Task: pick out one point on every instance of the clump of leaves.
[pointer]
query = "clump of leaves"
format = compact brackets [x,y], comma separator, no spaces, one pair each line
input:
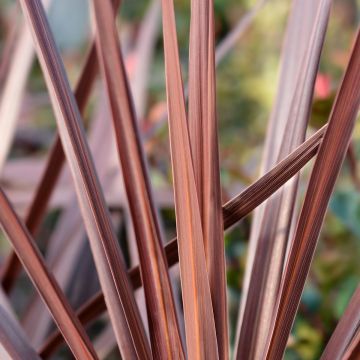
[282,244]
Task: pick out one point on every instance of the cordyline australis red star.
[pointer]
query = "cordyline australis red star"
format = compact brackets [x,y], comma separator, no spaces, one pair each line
[279,262]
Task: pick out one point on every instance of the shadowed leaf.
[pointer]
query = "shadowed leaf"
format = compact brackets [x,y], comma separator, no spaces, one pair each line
[13,344]
[44,281]
[14,87]
[344,332]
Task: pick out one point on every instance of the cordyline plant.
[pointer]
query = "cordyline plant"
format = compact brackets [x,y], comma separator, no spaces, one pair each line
[279,261]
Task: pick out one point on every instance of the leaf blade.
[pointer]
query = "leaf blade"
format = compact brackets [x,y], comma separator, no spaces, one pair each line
[326,168]
[54,165]
[233,211]
[113,278]
[13,343]
[198,312]
[44,281]
[163,324]
[345,329]
[205,156]
[271,227]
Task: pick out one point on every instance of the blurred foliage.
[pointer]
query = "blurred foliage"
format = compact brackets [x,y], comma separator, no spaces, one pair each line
[246,87]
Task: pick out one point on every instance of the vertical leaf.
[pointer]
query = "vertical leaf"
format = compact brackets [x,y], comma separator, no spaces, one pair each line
[326,169]
[205,155]
[164,330]
[271,230]
[199,318]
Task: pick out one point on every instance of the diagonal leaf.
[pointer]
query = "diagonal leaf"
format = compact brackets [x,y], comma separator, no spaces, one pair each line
[233,211]
[345,330]
[119,298]
[269,183]
[326,169]
[163,324]
[67,250]
[271,232]
[47,286]
[205,156]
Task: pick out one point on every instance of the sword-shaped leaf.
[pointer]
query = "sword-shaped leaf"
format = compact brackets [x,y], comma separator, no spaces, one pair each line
[271,227]
[345,330]
[205,155]
[53,168]
[233,211]
[44,281]
[163,324]
[117,290]
[326,169]
[13,343]
[198,311]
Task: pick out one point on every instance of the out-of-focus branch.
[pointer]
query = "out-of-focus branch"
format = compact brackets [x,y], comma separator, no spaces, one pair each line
[230,40]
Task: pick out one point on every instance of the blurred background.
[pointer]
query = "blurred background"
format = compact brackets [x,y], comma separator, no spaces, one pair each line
[247,76]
